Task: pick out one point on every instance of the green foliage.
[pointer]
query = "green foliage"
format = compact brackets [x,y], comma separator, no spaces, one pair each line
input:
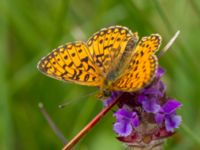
[30,29]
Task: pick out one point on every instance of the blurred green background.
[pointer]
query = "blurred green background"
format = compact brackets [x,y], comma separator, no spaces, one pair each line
[31,29]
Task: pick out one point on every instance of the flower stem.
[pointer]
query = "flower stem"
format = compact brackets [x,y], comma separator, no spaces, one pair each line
[90,125]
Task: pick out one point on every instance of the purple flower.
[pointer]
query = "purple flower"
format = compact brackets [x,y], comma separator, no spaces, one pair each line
[149,97]
[126,120]
[167,114]
[149,104]
[113,96]
[172,122]
[160,72]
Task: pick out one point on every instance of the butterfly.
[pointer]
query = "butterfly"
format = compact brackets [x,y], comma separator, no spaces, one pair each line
[112,60]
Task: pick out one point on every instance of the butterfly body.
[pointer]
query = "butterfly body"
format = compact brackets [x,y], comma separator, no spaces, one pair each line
[111,60]
[118,67]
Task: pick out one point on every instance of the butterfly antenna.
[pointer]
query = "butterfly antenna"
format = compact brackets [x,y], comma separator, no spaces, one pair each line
[169,44]
[65,104]
[76,100]
[51,123]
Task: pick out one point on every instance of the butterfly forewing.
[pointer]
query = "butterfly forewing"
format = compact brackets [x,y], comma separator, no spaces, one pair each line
[107,45]
[71,62]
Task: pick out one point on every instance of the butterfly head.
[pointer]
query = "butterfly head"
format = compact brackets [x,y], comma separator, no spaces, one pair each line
[104,94]
[105,91]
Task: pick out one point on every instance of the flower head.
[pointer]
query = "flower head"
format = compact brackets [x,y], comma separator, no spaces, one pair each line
[145,114]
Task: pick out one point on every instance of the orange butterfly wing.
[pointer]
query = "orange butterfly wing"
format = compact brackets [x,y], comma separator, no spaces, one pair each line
[71,62]
[107,45]
[142,67]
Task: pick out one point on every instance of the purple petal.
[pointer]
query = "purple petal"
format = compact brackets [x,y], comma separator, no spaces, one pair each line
[160,72]
[122,128]
[135,121]
[113,96]
[152,91]
[171,105]
[151,106]
[133,114]
[156,90]
[108,101]
[122,114]
[141,98]
[159,118]
[172,122]
[162,86]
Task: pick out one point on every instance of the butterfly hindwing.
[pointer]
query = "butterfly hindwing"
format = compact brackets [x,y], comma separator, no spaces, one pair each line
[142,67]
